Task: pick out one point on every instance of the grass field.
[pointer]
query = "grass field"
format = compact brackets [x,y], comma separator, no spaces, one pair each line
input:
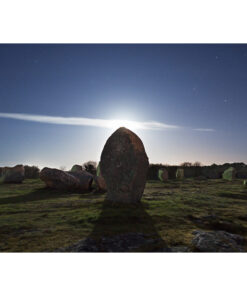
[36,219]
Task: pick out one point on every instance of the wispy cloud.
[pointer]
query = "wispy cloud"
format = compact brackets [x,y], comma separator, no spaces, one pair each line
[82,121]
[204,129]
[105,123]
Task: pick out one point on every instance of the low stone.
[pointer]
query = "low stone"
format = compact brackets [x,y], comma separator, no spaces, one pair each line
[126,242]
[217,241]
[13,174]
[85,179]
[71,181]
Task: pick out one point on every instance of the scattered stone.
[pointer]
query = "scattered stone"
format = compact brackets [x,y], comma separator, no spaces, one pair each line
[180,174]
[124,166]
[128,242]
[229,174]
[58,179]
[71,181]
[163,175]
[85,180]
[14,174]
[217,241]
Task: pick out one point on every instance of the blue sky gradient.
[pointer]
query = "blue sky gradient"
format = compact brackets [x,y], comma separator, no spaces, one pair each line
[189,86]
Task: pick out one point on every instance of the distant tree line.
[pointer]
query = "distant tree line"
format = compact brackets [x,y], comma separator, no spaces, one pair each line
[192,170]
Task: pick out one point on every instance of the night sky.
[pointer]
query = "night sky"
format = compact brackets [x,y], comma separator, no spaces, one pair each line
[196,93]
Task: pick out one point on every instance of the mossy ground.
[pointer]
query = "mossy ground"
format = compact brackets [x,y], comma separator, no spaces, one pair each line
[35,219]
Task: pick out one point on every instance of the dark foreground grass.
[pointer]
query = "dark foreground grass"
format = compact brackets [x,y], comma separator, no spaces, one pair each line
[34,218]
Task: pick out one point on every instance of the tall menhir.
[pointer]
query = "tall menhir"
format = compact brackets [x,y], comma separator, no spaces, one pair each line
[124,165]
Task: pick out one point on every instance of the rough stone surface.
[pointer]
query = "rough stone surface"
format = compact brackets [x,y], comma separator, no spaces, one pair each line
[71,181]
[124,166]
[85,179]
[128,242]
[217,241]
[100,183]
[13,174]
[163,175]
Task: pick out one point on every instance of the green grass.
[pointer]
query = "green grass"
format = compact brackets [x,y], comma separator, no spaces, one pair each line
[34,218]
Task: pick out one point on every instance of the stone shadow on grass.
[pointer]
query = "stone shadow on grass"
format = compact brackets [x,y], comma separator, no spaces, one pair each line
[39,194]
[121,228]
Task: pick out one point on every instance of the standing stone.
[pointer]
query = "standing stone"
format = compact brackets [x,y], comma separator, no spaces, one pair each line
[163,175]
[180,173]
[124,166]
[229,174]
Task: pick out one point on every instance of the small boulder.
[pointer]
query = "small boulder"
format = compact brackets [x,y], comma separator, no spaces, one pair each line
[124,166]
[85,179]
[13,174]
[71,181]
[217,241]
[163,175]
[59,179]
